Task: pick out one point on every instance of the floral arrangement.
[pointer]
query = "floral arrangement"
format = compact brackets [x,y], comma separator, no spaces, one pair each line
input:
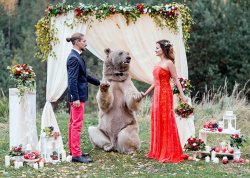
[194,144]
[16,151]
[211,125]
[184,110]
[163,15]
[54,155]
[49,132]
[186,86]
[237,141]
[24,76]
[32,155]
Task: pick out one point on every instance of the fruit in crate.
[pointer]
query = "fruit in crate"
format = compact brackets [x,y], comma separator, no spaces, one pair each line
[225,161]
[224,150]
[231,151]
[220,129]
[241,160]
[210,125]
[217,149]
[205,125]
[31,156]
[236,160]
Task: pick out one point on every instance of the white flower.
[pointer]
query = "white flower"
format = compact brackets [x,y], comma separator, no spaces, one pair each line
[120,7]
[145,10]
[124,9]
[194,144]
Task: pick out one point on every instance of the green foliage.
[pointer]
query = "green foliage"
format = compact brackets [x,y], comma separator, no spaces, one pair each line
[5,56]
[219,44]
[237,141]
[164,15]
[4,108]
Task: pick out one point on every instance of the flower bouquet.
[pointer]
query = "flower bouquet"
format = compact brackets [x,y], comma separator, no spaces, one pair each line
[49,132]
[237,141]
[31,157]
[184,110]
[194,144]
[211,125]
[186,87]
[16,151]
[24,76]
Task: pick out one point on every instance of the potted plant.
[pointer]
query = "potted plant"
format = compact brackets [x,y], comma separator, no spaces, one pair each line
[16,152]
[194,145]
[237,141]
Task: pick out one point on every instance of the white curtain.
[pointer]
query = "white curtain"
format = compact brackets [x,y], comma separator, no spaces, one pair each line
[138,39]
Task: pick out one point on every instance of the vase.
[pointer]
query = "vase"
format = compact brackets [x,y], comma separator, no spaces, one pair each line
[237,153]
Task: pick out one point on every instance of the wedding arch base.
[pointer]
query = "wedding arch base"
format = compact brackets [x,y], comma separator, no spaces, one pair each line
[22,118]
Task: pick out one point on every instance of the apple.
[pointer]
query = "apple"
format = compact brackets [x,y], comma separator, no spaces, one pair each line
[231,151]
[241,160]
[236,160]
[224,150]
[220,129]
[190,158]
[217,149]
[224,161]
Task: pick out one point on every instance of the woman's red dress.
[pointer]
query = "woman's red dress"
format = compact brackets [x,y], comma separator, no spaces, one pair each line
[165,144]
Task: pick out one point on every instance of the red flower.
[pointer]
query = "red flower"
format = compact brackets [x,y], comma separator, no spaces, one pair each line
[60,12]
[18,72]
[50,8]
[78,12]
[236,136]
[140,7]
[112,10]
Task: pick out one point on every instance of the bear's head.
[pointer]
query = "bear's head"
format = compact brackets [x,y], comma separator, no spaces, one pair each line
[116,65]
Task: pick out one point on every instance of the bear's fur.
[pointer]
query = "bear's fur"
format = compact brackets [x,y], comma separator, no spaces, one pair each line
[117,99]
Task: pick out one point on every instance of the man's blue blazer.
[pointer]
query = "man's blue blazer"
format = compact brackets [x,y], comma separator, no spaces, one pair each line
[78,78]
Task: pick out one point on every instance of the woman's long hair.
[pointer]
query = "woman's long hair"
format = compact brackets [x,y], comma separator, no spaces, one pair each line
[167,48]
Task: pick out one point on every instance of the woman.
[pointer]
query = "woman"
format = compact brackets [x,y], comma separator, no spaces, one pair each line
[165,143]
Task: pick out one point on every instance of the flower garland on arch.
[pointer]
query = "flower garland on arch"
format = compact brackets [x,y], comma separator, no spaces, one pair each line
[163,15]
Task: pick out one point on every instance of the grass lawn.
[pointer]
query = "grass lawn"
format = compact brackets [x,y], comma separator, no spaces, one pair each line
[111,164]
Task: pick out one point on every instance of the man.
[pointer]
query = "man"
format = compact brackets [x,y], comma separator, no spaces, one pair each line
[77,94]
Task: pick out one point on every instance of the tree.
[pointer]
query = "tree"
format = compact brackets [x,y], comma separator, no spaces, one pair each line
[5,56]
[219,44]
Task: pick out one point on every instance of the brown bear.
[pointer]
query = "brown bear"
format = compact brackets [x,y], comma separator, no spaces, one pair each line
[117,99]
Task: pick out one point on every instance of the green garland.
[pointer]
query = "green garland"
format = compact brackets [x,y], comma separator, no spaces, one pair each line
[163,16]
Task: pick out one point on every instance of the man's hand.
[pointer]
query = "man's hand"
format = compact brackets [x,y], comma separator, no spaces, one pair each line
[76,103]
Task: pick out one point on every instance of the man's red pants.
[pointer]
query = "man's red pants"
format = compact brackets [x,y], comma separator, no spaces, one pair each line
[74,129]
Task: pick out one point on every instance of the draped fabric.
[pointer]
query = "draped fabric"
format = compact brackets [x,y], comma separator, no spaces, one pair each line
[22,118]
[137,38]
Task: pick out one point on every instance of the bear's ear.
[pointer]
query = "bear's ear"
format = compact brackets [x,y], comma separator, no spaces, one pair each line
[107,51]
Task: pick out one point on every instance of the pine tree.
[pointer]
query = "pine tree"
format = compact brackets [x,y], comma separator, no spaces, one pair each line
[5,57]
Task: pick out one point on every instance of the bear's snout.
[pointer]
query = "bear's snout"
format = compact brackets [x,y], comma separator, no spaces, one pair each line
[128,59]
